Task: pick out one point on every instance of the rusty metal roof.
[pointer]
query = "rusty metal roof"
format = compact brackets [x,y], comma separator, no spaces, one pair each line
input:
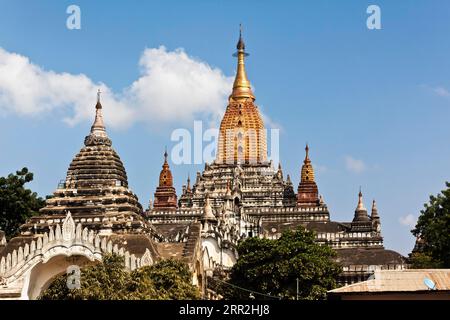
[400,281]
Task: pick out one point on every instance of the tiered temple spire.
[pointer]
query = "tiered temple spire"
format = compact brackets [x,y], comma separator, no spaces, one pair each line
[165,195]
[361,211]
[242,137]
[307,193]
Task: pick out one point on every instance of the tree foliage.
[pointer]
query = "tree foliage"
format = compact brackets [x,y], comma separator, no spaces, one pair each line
[433,230]
[110,280]
[17,203]
[272,267]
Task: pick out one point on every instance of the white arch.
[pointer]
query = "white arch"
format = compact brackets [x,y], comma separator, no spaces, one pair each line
[66,240]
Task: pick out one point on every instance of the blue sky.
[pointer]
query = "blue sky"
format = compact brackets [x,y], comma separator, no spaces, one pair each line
[373,104]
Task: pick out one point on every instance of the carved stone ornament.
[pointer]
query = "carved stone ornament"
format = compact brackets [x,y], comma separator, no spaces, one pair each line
[68,228]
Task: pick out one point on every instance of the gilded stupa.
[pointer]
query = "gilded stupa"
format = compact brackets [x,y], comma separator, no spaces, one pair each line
[242,136]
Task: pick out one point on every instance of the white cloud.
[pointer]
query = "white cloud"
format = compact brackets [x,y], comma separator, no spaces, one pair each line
[409,220]
[354,165]
[172,88]
[441,91]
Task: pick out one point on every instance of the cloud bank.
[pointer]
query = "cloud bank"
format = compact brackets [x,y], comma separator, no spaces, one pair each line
[172,88]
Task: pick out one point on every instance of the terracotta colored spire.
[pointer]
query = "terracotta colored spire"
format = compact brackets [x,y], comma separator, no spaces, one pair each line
[307,192]
[165,195]
[241,87]
[98,127]
[165,177]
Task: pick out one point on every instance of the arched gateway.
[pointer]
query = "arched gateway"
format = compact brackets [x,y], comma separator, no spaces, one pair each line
[29,269]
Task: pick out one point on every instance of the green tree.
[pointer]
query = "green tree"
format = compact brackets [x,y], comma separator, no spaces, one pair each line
[17,203]
[432,228]
[272,267]
[110,280]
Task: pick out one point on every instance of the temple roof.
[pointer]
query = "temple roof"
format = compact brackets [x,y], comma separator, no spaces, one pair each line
[369,256]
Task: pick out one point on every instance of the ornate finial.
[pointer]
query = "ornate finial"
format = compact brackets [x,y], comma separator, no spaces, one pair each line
[98,132]
[374,209]
[188,188]
[240,45]
[360,206]
[307,173]
[241,88]
[165,154]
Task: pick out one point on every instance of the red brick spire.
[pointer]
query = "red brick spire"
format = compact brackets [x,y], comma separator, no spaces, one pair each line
[165,195]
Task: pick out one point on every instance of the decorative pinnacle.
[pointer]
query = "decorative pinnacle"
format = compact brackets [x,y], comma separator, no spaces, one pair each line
[374,209]
[241,87]
[360,206]
[98,127]
[240,45]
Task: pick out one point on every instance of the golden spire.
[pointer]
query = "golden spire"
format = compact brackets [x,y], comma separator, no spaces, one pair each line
[241,87]
[307,174]
[98,127]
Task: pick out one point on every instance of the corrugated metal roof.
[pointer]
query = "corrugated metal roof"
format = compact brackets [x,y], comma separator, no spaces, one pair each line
[400,281]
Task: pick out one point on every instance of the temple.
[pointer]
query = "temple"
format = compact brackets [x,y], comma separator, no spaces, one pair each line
[242,195]
[239,195]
